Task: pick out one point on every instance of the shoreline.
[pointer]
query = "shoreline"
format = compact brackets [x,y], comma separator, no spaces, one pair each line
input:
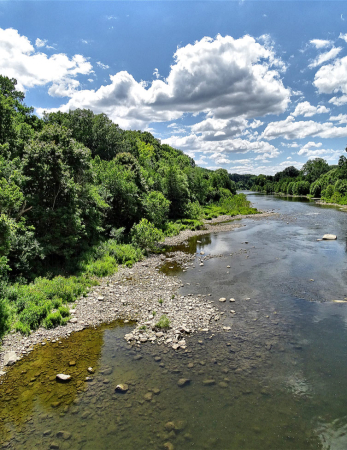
[132,294]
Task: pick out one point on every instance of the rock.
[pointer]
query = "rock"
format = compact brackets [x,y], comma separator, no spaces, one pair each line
[148,397]
[64,435]
[88,379]
[72,363]
[222,299]
[228,267]
[2,373]
[10,358]
[232,299]
[122,388]
[208,382]
[54,446]
[168,446]
[223,384]
[90,370]
[63,377]
[137,357]
[101,298]
[74,320]
[183,382]
[329,237]
[201,264]
[170,426]
[226,328]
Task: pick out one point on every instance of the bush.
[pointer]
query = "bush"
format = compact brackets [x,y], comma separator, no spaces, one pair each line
[64,311]
[163,322]
[53,320]
[146,236]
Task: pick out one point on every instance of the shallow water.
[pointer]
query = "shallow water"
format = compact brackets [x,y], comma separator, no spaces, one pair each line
[277,380]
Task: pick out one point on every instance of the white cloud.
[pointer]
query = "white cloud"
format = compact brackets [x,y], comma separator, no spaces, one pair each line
[102,66]
[308,151]
[225,77]
[332,78]
[289,129]
[222,149]
[339,101]
[18,59]
[341,118]
[40,42]
[343,36]
[307,110]
[156,73]
[324,57]
[321,43]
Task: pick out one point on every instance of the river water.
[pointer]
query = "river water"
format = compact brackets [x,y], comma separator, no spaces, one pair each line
[277,380]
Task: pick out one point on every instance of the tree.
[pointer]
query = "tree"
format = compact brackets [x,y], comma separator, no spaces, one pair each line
[65,207]
[314,168]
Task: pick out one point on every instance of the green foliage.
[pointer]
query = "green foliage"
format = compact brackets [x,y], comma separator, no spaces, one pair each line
[156,208]
[64,311]
[53,320]
[146,236]
[232,206]
[314,168]
[163,322]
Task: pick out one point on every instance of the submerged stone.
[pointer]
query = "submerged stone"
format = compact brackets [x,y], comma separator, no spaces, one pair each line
[183,382]
[122,388]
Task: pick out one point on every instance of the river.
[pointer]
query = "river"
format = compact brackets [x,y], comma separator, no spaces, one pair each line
[277,380]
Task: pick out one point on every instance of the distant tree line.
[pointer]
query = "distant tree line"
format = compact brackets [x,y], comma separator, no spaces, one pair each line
[316,179]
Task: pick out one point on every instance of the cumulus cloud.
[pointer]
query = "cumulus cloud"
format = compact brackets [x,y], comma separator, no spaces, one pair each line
[289,129]
[321,43]
[341,118]
[343,36]
[324,57]
[225,77]
[310,151]
[222,150]
[307,110]
[18,59]
[332,78]
[339,101]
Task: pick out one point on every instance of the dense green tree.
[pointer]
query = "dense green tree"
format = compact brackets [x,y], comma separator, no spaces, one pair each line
[314,168]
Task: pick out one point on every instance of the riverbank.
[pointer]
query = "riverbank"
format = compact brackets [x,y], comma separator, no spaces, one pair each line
[144,295]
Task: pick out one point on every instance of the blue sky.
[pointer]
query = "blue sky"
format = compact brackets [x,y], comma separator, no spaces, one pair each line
[248,86]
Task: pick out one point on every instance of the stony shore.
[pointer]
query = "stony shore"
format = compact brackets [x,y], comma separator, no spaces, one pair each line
[142,294]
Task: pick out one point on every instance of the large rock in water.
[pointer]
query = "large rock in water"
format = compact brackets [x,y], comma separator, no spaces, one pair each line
[63,377]
[329,237]
[10,358]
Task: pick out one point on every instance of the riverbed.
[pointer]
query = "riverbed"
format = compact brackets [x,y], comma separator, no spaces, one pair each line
[277,380]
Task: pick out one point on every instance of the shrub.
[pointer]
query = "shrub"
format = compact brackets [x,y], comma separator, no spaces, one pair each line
[146,236]
[64,311]
[163,322]
[101,267]
[53,320]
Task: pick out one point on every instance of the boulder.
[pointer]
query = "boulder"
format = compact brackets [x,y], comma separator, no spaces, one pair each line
[329,237]
[63,377]
[122,388]
[183,382]
[10,358]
